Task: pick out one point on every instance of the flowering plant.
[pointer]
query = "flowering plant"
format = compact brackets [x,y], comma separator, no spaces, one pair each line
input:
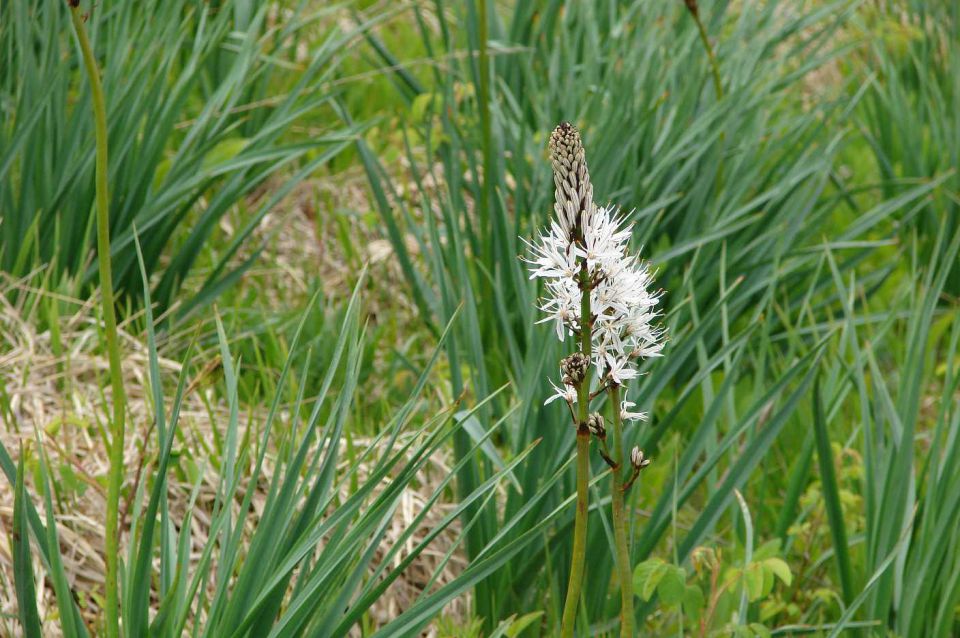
[599,292]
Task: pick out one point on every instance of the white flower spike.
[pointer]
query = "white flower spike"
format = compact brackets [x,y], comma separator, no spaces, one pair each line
[623,307]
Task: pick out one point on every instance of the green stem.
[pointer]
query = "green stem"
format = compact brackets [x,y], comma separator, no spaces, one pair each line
[714,66]
[624,572]
[715,69]
[486,140]
[579,555]
[115,444]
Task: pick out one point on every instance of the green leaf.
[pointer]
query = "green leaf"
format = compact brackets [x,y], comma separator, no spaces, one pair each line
[646,577]
[672,585]
[779,568]
[831,496]
[753,581]
[767,550]
[693,602]
[768,580]
[22,561]
[224,151]
[517,626]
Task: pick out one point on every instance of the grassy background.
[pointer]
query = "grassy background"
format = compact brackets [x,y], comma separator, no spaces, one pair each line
[802,218]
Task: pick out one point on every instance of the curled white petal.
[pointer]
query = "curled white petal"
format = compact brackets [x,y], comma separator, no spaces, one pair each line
[566,393]
[627,415]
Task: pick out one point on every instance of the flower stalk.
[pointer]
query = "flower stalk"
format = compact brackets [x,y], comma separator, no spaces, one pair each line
[578,557]
[574,207]
[694,10]
[115,444]
[621,549]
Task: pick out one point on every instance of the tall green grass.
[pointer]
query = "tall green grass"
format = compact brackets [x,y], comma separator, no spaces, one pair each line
[116,441]
[910,115]
[737,200]
[804,229]
[911,461]
[314,560]
[200,104]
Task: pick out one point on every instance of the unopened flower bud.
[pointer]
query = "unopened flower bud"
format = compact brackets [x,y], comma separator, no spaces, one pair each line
[704,559]
[596,426]
[574,193]
[637,459]
[574,368]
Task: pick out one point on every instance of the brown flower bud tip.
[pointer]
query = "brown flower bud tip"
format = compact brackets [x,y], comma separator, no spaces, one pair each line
[692,7]
[573,192]
[638,460]
[574,368]
[566,153]
[565,141]
[596,426]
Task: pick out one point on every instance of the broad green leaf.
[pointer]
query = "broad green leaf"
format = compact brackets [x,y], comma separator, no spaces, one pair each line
[693,602]
[647,575]
[753,581]
[780,569]
[672,586]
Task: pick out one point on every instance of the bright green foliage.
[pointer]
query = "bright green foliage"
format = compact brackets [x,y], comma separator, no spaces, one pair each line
[758,232]
[189,138]
[804,419]
[706,596]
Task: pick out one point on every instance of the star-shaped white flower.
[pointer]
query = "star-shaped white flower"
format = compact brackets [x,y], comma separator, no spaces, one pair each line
[620,369]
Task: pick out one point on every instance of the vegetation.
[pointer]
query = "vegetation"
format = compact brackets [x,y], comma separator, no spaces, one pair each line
[320,408]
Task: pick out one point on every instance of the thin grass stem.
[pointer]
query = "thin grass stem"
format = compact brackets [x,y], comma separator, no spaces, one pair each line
[714,66]
[115,444]
[483,71]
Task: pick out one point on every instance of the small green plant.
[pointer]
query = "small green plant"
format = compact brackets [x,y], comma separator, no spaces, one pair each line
[706,599]
[452,627]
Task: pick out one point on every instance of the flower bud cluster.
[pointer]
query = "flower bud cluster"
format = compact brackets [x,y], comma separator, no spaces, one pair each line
[574,368]
[596,426]
[638,460]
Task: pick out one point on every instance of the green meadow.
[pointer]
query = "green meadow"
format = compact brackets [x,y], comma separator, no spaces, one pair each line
[273,363]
